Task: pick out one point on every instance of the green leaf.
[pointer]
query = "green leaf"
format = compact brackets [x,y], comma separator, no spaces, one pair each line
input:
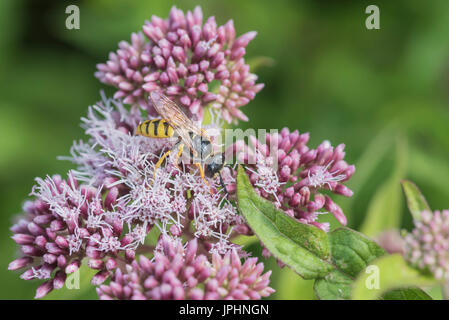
[429,169]
[406,294]
[291,287]
[353,251]
[415,199]
[306,249]
[260,61]
[385,274]
[243,240]
[366,166]
[385,208]
[302,247]
[334,286]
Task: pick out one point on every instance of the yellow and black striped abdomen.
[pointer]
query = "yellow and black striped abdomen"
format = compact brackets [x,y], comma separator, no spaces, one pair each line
[156,128]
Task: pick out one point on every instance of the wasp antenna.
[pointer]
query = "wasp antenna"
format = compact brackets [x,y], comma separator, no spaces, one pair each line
[223,185]
[230,166]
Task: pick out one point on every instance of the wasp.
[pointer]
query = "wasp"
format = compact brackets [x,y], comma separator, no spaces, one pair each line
[174,120]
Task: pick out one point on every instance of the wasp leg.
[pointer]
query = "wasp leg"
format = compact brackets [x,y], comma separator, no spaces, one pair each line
[202,175]
[159,163]
[180,149]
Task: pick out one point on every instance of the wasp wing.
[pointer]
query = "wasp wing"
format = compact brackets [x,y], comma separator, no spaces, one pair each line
[171,112]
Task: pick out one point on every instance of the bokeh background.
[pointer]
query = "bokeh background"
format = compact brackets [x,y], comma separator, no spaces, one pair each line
[384,93]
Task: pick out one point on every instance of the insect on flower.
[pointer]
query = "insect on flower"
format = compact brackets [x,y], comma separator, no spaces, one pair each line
[174,120]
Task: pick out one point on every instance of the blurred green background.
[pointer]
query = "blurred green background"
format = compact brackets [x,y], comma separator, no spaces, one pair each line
[384,93]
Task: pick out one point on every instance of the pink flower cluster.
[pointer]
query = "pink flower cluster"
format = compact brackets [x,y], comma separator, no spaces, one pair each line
[107,219]
[193,63]
[65,224]
[103,213]
[179,272]
[427,246]
[283,169]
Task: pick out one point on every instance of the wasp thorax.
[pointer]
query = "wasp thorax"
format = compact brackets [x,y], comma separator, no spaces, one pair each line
[203,146]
